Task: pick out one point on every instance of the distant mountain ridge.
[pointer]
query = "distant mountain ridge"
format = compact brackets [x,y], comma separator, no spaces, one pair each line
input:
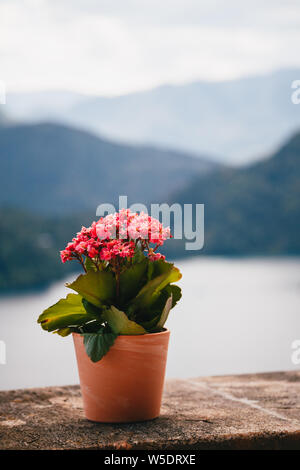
[40,105]
[3,118]
[237,121]
[54,169]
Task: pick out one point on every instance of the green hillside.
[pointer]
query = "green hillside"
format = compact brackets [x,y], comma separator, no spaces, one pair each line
[29,248]
[251,210]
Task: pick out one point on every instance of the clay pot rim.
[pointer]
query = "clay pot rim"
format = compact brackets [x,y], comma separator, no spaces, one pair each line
[147,335]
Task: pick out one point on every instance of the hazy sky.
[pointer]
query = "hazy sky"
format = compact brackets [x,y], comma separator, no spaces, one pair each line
[117,46]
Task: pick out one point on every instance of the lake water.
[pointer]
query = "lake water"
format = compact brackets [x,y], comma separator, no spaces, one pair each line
[236,316]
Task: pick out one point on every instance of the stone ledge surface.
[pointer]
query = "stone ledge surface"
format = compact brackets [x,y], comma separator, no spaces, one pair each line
[229,412]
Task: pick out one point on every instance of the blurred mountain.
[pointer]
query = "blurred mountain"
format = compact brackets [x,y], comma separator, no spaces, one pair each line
[254,210]
[238,120]
[29,248]
[40,105]
[3,118]
[56,169]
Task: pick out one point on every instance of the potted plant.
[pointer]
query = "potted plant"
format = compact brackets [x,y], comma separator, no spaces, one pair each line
[117,315]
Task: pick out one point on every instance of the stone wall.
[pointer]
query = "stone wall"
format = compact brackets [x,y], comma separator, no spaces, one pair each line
[231,412]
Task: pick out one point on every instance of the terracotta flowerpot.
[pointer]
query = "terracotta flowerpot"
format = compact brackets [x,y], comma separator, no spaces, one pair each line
[127,384]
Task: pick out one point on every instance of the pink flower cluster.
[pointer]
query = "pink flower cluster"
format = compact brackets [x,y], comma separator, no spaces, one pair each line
[116,236]
[155,256]
[130,225]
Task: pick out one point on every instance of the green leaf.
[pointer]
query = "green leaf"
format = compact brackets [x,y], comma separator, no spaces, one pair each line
[175,291]
[66,312]
[89,265]
[165,313]
[162,305]
[90,308]
[120,323]
[138,254]
[98,344]
[97,287]
[163,274]
[149,325]
[63,332]
[91,327]
[132,280]
[159,304]
[150,271]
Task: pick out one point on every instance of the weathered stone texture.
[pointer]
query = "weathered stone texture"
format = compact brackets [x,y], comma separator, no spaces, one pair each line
[231,412]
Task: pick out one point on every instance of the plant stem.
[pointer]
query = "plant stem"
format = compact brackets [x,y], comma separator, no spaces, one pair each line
[117,271]
[81,262]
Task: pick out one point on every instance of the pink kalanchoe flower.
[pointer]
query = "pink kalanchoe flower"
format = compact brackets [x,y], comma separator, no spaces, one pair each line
[116,236]
[65,255]
[92,251]
[103,231]
[81,247]
[70,246]
[156,256]
[105,254]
